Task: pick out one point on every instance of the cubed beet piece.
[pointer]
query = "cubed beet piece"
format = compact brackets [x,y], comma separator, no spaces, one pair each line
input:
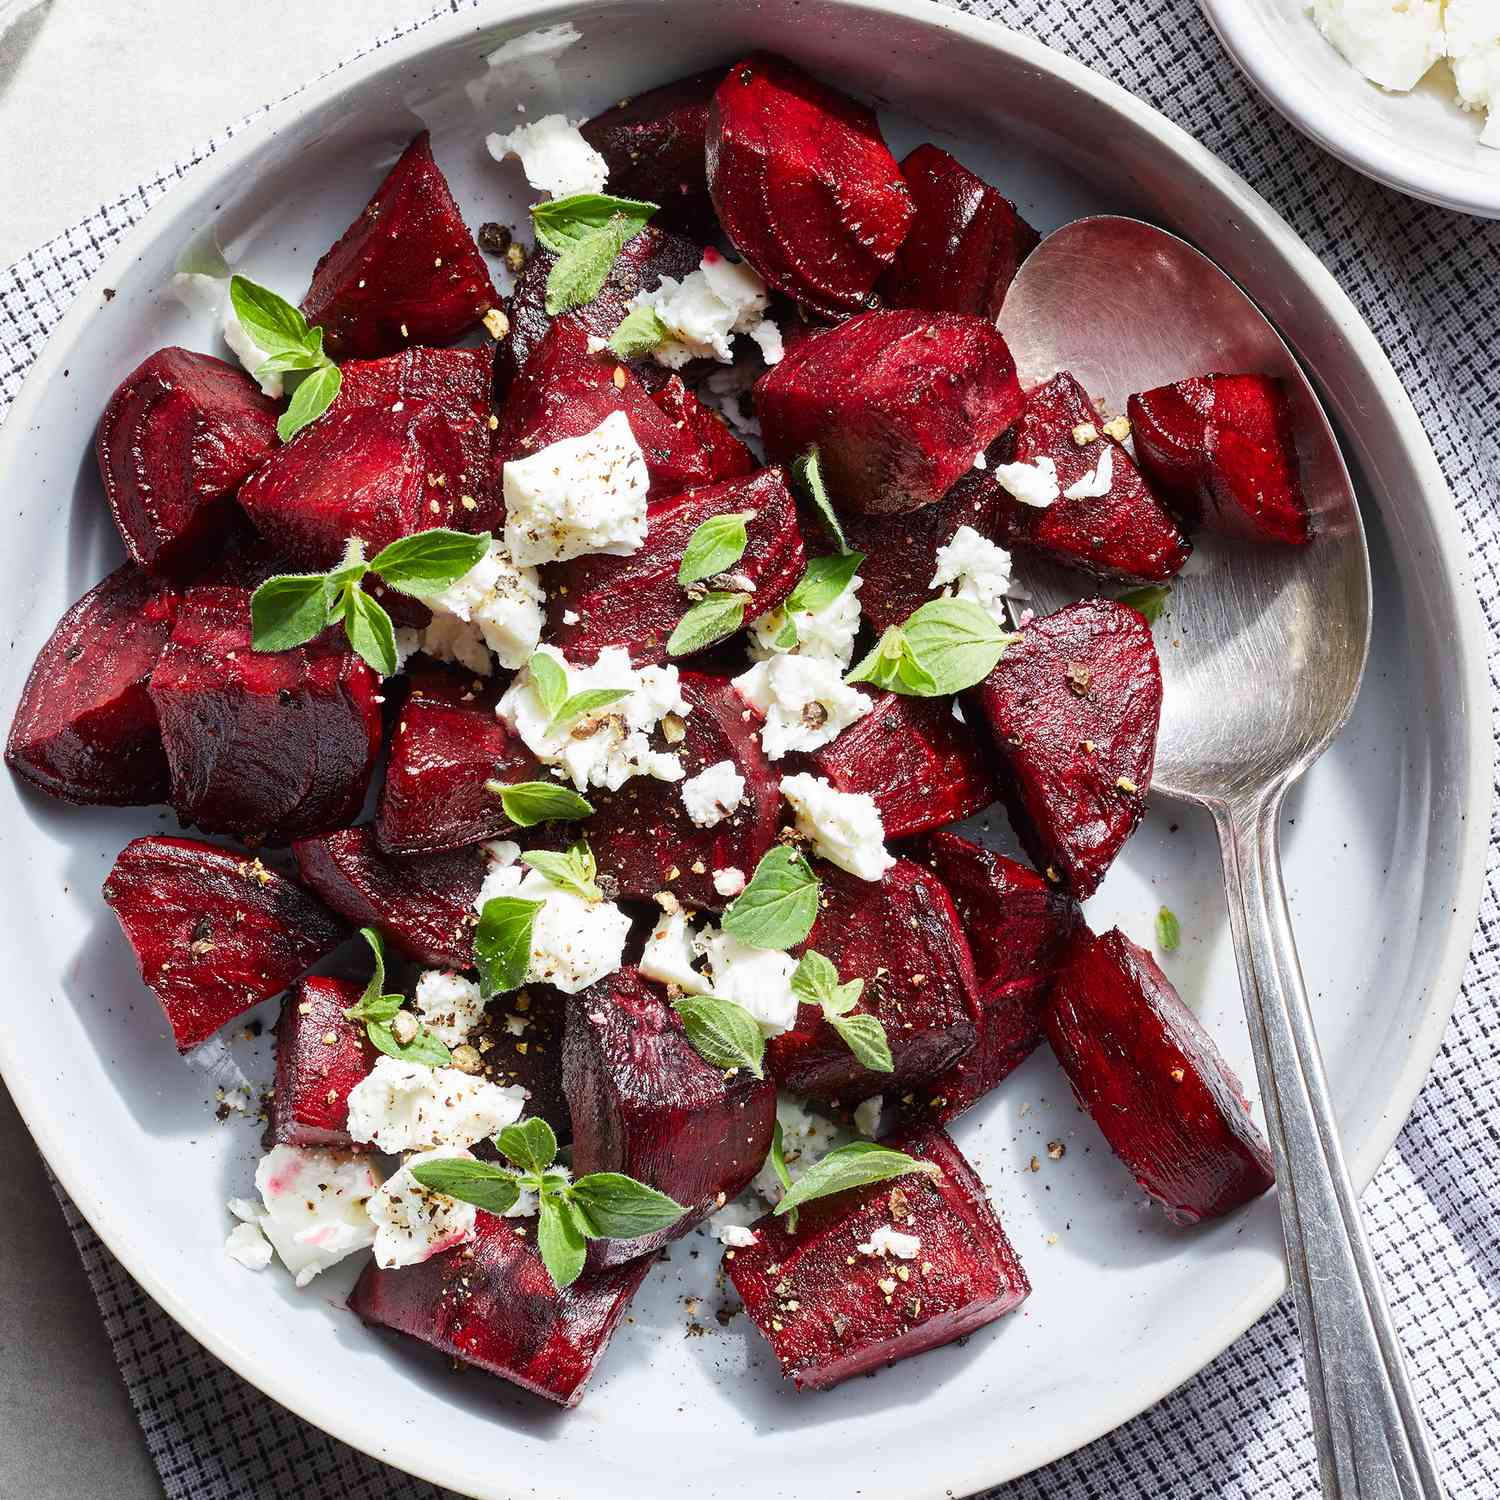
[320,1055]
[965,245]
[177,437]
[899,934]
[272,745]
[898,402]
[1221,450]
[406,271]
[726,455]
[1124,533]
[85,728]
[423,902]
[491,1303]
[213,930]
[831,1311]
[643,835]
[803,184]
[644,1103]
[524,1033]
[1073,710]
[637,602]
[1142,1065]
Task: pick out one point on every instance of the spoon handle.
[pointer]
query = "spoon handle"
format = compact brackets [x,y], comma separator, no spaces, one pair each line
[1371,1441]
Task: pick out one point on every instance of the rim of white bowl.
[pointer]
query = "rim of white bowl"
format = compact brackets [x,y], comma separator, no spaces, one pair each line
[68,1158]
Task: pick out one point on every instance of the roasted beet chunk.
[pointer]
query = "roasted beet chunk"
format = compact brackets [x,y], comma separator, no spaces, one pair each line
[803,184]
[898,402]
[492,1304]
[644,1103]
[178,436]
[85,728]
[1123,532]
[406,271]
[214,931]
[831,1309]
[1220,448]
[598,601]
[901,936]
[320,1055]
[1072,712]
[965,245]
[653,144]
[266,744]
[1143,1066]
[425,902]
[727,456]
[643,833]
[922,766]
[522,1043]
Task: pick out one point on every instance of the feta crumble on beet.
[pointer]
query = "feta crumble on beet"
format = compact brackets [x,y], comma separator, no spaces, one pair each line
[413,1223]
[704,311]
[497,606]
[554,156]
[1031,484]
[887,1241]
[669,955]
[827,634]
[759,979]
[867,1116]
[450,1005]
[403,1106]
[314,1210]
[1097,481]
[845,827]
[971,566]
[713,794]
[729,881]
[805,702]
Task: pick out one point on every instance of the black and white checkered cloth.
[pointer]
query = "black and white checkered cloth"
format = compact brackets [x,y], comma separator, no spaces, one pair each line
[1428,282]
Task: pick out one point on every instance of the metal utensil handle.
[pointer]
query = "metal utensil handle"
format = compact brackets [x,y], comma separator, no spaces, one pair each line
[1371,1441]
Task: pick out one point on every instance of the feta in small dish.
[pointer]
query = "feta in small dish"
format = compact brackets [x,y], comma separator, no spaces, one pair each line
[554,156]
[1392,44]
[845,827]
[804,701]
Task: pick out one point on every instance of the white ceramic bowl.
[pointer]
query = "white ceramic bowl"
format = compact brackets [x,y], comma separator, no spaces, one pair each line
[1421,143]
[1384,858]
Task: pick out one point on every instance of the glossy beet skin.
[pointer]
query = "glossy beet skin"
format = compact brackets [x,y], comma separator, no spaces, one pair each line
[1221,450]
[727,457]
[898,402]
[637,602]
[314,1076]
[446,744]
[819,1302]
[177,437]
[1124,534]
[85,729]
[644,1103]
[424,902]
[1142,1065]
[272,745]
[490,1303]
[642,834]
[213,930]
[406,271]
[803,184]
[899,934]
[1072,712]
[965,244]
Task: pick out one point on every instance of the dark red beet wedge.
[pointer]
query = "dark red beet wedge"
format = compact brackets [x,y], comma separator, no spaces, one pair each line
[803,184]
[1125,533]
[830,1312]
[406,271]
[920,764]
[898,402]
[901,936]
[177,437]
[1142,1065]
[85,728]
[644,1103]
[727,456]
[637,602]
[423,902]
[214,931]
[491,1303]
[1073,711]
[525,1031]
[1220,449]
[266,745]
[965,245]
[320,1055]
[446,744]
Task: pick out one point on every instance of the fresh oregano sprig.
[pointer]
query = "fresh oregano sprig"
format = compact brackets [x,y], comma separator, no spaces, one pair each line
[291,347]
[846,1167]
[723,1033]
[574,870]
[549,680]
[379,1012]
[824,579]
[942,648]
[639,332]
[816,982]
[1150,600]
[586,231]
[807,473]
[715,546]
[528,803]
[502,943]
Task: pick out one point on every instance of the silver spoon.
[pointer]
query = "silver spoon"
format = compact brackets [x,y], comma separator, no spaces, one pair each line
[1268,647]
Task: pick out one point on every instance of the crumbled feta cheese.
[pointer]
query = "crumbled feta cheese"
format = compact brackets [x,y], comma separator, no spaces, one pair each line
[248,1245]
[1472,43]
[976,569]
[1118,428]
[887,1241]
[867,1116]
[1097,481]
[403,1106]
[413,1223]
[737,1236]
[845,827]
[713,794]
[804,701]
[605,748]
[805,1137]
[1031,484]
[704,311]
[827,635]
[315,1205]
[502,851]
[1392,44]
[450,1005]
[579,495]
[554,156]
[669,954]
[496,606]
[980,461]
[1085,433]
[409,642]
[210,294]
[729,881]
[760,979]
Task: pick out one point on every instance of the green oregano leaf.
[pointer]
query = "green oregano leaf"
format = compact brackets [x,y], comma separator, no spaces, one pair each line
[722,1032]
[823,581]
[942,648]
[616,1207]
[288,610]
[578,705]
[530,1144]
[275,325]
[502,943]
[714,617]
[777,1157]
[717,545]
[370,631]
[313,396]
[561,1240]
[429,561]
[893,665]
[1150,600]
[482,1183]
[639,332]
[528,803]
[423,1048]
[586,232]
[1168,930]
[816,982]
[574,870]
[848,1167]
[549,680]
[778,907]
[865,1037]
[807,471]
